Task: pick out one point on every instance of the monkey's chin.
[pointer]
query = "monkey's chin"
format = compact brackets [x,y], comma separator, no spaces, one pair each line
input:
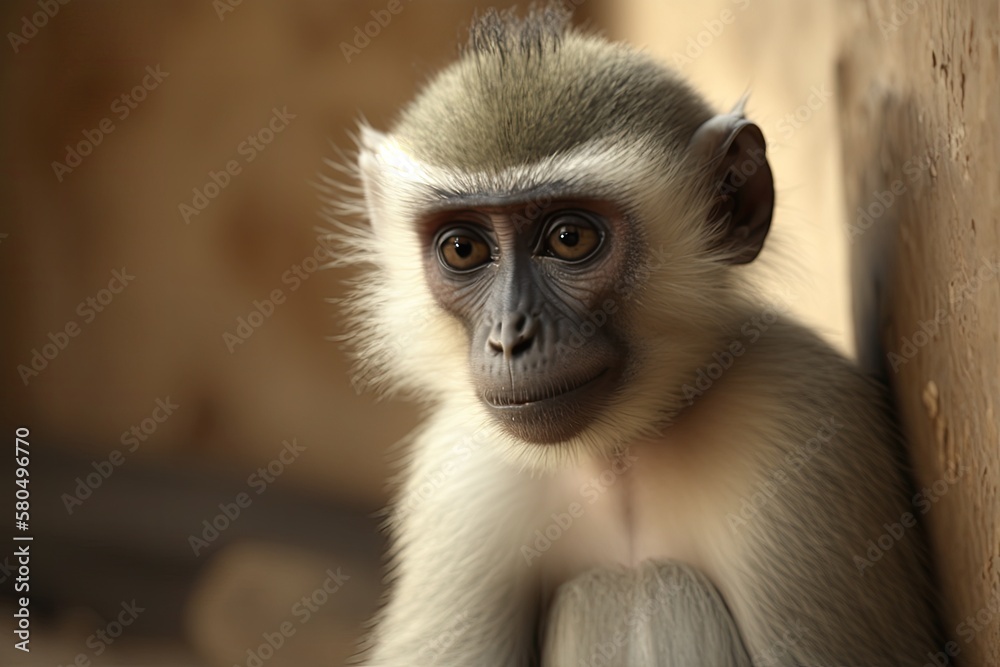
[555,419]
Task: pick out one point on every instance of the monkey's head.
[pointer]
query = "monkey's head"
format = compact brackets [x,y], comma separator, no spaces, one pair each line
[554,224]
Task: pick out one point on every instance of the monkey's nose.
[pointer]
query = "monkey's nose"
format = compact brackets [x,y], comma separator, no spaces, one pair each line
[513,335]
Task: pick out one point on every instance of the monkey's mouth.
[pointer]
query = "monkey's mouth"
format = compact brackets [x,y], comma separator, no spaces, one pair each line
[529,397]
[551,414]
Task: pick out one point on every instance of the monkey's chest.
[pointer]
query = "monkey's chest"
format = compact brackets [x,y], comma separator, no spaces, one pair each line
[637,508]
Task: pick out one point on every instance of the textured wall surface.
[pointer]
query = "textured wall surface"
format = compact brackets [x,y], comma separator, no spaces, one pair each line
[920,120]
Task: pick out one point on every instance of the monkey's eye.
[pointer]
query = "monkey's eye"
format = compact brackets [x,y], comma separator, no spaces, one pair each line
[572,239]
[462,250]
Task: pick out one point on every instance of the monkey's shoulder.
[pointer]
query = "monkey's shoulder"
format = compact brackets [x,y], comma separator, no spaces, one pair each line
[786,364]
[781,387]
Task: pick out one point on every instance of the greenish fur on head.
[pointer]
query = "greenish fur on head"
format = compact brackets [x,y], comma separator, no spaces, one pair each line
[531,87]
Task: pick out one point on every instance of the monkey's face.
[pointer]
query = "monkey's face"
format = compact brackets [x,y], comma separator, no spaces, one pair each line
[535,288]
[550,242]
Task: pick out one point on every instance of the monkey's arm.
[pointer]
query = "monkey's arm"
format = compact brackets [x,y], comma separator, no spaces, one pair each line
[461,593]
[662,613]
[805,577]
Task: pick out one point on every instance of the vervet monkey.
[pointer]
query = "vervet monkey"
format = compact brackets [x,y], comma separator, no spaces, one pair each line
[627,460]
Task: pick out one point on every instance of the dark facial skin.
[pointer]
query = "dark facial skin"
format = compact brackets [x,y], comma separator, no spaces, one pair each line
[527,288]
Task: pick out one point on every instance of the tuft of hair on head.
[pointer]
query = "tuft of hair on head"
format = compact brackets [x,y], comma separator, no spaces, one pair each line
[504,33]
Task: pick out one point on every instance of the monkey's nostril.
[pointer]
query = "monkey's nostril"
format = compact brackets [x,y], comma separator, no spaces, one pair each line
[522,345]
[513,336]
[494,342]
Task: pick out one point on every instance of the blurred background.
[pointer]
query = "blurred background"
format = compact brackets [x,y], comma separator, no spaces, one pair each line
[205,481]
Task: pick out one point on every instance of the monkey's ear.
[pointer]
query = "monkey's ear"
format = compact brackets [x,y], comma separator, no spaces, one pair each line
[733,152]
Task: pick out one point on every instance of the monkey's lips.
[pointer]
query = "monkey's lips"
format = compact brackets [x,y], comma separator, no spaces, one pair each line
[552,413]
